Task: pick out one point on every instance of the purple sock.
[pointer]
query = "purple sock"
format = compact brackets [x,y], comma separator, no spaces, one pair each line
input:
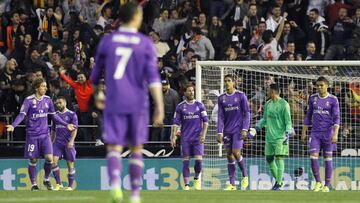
[56,173]
[242,166]
[114,168]
[71,177]
[186,171]
[197,168]
[231,171]
[315,168]
[136,165]
[32,173]
[328,170]
[47,169]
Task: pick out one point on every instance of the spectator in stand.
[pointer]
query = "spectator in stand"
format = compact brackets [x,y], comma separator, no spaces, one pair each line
[203,25]
[340,35]
[161,47]
[106,13]
[83,91]
[315,30]
[165,26]
[334,8]
[252,21]
[311,52]
[292,33]
[201,45]
[218,36]
[8,103]
[96,110]
[240,37]
[269,50]
[238,10]
[256,37]
[274,20]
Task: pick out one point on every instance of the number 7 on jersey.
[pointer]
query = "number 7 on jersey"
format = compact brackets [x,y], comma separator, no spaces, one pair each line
[124,54]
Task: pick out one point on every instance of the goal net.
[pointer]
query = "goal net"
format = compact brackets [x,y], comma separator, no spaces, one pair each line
[296,80]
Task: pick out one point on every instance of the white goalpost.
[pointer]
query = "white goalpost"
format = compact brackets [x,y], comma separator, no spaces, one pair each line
[296,81]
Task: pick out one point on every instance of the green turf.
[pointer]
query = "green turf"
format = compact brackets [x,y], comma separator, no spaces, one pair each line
[185,196]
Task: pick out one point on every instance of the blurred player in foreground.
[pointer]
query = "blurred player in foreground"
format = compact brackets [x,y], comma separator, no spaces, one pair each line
[36,108]
[324,116]
[191,117]
[232,126]
[63,143]
[128,60]
[277,119]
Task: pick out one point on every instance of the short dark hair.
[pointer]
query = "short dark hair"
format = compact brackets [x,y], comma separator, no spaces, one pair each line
[128,11]
[231,76]
[61,97]
[197,57]
[189,85]
[267,35]
[275,87]
[323,79]
[315,10]
[37,82]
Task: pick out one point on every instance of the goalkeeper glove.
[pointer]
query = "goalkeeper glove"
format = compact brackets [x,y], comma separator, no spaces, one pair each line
[287,136]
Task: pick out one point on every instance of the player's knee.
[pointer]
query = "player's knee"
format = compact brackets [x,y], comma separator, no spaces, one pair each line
[328,158]
[314,156]
[33,161]
[71,170]
[111,148]
[198,157]
[136,149]
[270,159]
[186,158]
[49,158]
[279,157]
[230,157]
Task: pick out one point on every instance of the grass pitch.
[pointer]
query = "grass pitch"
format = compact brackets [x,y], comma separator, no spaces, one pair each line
[185,196]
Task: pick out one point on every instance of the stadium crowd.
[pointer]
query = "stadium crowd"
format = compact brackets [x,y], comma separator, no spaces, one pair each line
[56,40]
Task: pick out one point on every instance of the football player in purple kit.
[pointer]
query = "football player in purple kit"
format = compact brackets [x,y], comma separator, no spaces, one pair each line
[36,108]
[324,115]
[63,143]
[232,126]
[128,60]
[191,117]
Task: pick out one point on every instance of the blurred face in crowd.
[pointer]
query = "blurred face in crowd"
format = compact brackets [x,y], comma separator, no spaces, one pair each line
[276,12]
[253,10]
[165,88]
[155,38]
[190,92]
[291,57]
[65,36]
[229,84]
[287,28]
[321,87]
[23,18]
[193,61]
[279,2]
[61,104]
[174,14]
[42,89]
[313,16]
[262,27]
[108,12]
[291,47]
[81,78]
[165,15]
[194,23]
[310,48]
[27,39]
[189,54]
[55,58]
[239,2]
[38,74]
[215,20]
[342,13]
[15,18]
[337,88]
[253,51]
[202,18]
[357,13]
[50,12]
[11,65]
[76,34]
[34,54]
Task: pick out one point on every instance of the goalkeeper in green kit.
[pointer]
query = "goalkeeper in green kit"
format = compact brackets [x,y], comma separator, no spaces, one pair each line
[277,119]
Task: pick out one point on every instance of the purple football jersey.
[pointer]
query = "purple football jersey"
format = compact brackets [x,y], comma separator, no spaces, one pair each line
[322,113]
[63,135]
[129,61]
[233,113]
[190,117]
[36,111]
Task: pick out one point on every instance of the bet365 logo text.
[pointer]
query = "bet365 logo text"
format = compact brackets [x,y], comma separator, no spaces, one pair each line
[19,179]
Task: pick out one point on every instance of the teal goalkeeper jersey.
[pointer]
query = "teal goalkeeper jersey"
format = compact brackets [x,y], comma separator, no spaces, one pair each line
[277,119]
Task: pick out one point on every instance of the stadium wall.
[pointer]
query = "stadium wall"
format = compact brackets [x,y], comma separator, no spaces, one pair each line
[165,174]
